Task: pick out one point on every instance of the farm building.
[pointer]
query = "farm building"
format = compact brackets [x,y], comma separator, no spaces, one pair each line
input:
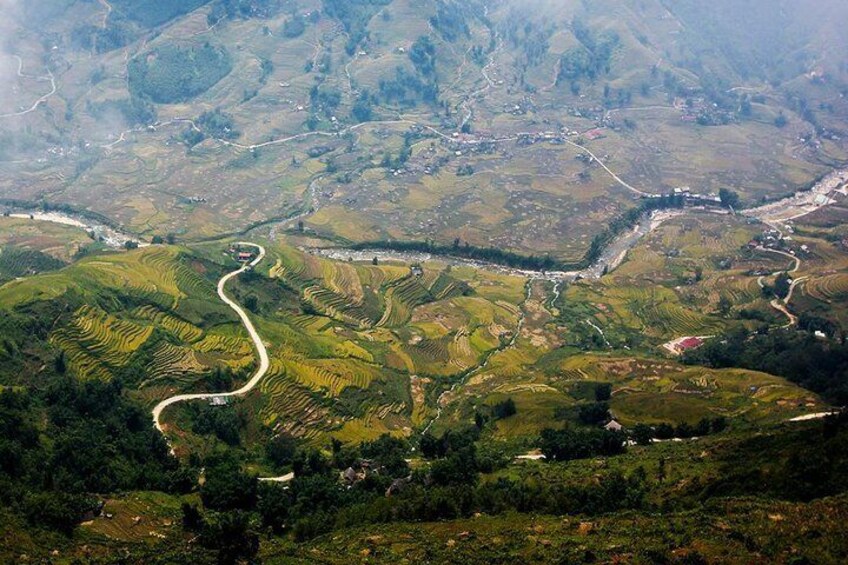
[613,426]
[689,343]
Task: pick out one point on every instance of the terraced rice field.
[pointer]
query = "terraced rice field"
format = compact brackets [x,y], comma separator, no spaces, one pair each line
[331,376]
[95,341]
[828,288]
[179,328]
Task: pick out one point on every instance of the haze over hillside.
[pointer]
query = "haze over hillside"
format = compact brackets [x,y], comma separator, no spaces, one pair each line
[436,281]
[182,119]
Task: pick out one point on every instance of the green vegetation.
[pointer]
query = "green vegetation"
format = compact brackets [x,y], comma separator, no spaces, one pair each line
[816,364]
[174,73]
[152,13]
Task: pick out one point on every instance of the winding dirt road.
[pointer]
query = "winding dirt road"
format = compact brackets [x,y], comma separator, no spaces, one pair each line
[43,99]
[264,362]
[780,304]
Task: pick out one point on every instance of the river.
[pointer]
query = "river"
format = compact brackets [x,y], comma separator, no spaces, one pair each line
[611,257]
[112,237]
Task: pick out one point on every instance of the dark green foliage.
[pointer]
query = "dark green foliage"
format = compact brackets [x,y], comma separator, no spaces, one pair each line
[227,487]
[796,465]
[294,27]
[325,99]
[389,452]
[98,442]
[192,137]
[504,409]
[173,73]
[192,517]
[782,284]
[423,56]
[407,88]
[363,108]
[489,254]
[814,364]
[280,450]
[593,414]
[273,506]
[231,534]
[221,421]
[354,16]
[565,445]
[729,198]
[151,13]
[244,9]
[642,434]
[218,124]
[19,262]
[133,111]
[58,511]
[117,33]
[591,59]
[450,21]
[603,392]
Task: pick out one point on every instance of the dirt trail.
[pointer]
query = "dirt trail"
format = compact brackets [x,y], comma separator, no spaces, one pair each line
[41,100]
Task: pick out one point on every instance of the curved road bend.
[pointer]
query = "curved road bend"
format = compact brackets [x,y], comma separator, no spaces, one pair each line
[264,362]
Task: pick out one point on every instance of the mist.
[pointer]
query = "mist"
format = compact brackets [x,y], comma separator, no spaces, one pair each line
[8,63]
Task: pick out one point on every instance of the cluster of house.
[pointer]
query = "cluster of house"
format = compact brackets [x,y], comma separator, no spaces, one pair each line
[689,198]
[773,239]
[362,468]
[241,255]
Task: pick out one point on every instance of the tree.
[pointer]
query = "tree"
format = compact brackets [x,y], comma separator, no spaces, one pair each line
[157,240]
[642,434]
[230,533]
[724,305]
[273,506]
[130,245]
[594,414]
[251,302]
[60,364]
[729,198]
[192,518]
[281,450]
[782,285]
[603,392]
[227,487]
[504,409]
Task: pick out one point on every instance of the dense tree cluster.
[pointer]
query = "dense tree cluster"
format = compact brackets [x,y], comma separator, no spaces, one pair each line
[173,73]
[591,59]
[467,251]
[817,365]
[354,16]
[568,444]
[60,445]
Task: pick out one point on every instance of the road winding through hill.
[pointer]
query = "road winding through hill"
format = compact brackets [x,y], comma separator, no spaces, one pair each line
[264,362]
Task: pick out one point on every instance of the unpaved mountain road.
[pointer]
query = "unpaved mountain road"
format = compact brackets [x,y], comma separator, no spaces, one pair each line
[264,362]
